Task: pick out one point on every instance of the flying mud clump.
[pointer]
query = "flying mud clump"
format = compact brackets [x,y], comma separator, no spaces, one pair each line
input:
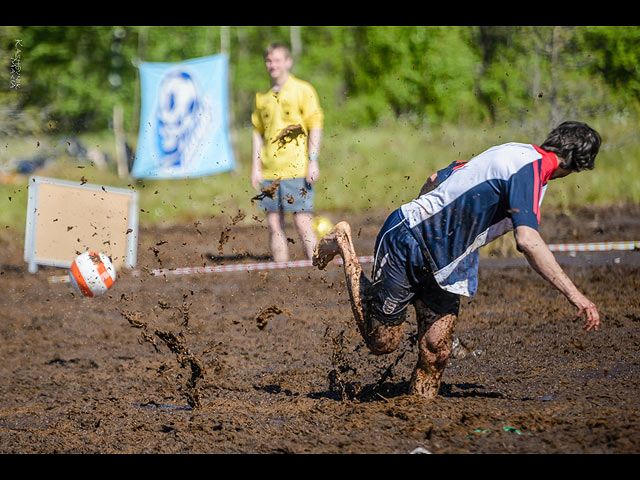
[264,315]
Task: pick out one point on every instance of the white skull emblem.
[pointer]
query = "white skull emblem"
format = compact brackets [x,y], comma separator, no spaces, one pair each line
[184,117]
[178,107]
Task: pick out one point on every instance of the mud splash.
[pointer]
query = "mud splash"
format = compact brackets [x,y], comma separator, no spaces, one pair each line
[269,191]
[263,316]
[176,343]
[339,376]
[289,134]
[226,232]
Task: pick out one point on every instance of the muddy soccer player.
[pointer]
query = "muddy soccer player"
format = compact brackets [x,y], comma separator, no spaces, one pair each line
[426,253]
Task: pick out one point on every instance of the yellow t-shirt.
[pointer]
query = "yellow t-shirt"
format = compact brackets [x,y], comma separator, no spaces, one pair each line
[295,105]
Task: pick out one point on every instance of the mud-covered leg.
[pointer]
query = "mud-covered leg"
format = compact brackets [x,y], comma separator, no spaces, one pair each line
[380,339]
[328,246]
[338,242]
[435,335]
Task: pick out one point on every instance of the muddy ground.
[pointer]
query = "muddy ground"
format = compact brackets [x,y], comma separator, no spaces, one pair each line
[270,362]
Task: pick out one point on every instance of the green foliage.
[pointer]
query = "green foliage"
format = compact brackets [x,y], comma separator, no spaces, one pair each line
[67,74]
[616,52]
[72,76]
[399,103]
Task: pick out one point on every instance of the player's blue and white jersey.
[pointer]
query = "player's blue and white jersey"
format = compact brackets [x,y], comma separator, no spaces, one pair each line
[476,202]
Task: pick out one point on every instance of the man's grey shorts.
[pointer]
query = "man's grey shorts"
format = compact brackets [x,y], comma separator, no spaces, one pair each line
[292,195]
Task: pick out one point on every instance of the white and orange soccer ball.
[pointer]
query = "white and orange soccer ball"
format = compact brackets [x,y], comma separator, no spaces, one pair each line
[92,274]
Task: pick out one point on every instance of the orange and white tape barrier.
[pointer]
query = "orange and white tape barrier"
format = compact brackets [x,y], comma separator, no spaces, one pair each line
[242,267]
[594,247]
[247,267]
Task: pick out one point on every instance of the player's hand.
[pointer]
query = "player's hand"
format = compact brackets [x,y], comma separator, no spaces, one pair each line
[313,172]
[591,317]
[256,179]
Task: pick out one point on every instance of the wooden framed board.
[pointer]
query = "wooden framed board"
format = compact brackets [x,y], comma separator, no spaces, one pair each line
[65,219]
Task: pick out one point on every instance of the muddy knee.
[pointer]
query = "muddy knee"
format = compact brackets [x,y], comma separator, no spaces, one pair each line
[383,340]
[382,336]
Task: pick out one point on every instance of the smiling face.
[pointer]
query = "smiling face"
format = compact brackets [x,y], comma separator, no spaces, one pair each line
[278,64]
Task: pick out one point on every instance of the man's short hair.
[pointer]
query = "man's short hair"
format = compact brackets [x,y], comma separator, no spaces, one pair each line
[576,143]
[277,46]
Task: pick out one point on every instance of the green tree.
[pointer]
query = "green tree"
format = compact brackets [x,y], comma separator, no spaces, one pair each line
[68,74]
[73,76]
[424,73]
[616,55]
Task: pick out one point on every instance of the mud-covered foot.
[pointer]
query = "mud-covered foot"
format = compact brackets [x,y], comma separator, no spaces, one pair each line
[328,247]
[424,385]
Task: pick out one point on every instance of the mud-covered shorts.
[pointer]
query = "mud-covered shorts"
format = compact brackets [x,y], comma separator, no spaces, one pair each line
[401,274]
[292,195]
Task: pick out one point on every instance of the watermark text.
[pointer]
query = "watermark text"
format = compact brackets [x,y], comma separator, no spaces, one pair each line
[16,65]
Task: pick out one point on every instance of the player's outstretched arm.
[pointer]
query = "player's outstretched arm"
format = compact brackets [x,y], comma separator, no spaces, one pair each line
[541,259]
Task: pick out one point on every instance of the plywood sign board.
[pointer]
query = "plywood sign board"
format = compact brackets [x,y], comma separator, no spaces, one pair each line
[65,219]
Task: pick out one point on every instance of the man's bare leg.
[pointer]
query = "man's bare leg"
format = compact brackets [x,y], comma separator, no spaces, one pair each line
[304,225]
[277,237]
[379,338]
[435,335]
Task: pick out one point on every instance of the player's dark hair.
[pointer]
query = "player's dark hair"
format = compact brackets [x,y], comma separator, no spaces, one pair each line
[277,46]
[576,143]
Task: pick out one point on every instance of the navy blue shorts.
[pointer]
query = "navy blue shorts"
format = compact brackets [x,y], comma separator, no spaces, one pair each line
[293,195]
[401,273]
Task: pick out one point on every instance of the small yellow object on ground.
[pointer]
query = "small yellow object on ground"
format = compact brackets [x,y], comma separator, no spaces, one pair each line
[322,226]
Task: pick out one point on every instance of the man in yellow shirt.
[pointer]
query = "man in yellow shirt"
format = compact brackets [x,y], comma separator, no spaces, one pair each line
[287,122]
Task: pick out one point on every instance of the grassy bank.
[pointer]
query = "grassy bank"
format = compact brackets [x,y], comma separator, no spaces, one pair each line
[364,169]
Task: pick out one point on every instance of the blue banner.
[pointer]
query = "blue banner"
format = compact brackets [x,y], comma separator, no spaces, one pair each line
[184,124]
